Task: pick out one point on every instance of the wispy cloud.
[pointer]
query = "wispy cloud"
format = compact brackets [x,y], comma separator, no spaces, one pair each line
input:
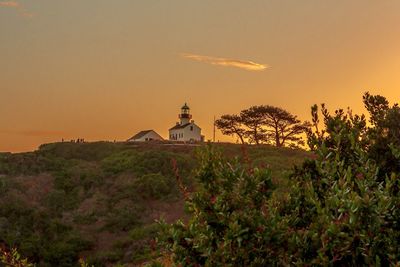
[22,11]
[11,4]
[227,62]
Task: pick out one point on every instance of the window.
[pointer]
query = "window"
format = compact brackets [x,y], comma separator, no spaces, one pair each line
[191,128]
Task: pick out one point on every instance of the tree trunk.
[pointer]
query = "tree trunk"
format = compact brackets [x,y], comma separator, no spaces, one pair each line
[241,138]
[256,137]
[277,141]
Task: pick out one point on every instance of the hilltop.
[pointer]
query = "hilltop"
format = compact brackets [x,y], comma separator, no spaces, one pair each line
[100,200]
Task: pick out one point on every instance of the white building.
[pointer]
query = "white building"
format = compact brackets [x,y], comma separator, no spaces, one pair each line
[185,130]
[145,136]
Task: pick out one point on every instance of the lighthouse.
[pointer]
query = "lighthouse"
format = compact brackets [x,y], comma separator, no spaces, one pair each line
[185,115]
[185,130]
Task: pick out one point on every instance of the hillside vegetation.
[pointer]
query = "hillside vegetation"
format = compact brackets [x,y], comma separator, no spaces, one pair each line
[340,208]
[100,200]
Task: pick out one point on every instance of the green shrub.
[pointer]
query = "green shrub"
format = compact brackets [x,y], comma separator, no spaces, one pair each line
[341,208]
[39,236]
[154,186]
[3,184]
[114,255]
[150,162]
[145,232]
[119,162]
[92,151]
[85,219]
[123,218]
[94,261]
[13,258]
[58,201]
[140,252]
[229,222]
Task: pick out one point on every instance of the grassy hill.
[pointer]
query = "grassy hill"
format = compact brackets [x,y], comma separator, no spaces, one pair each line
[100,200]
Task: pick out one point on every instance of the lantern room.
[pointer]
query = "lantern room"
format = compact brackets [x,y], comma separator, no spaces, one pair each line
[185,115]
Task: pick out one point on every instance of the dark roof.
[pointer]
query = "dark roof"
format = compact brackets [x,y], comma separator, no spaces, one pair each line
[185,106]
[140,134]
[178,126]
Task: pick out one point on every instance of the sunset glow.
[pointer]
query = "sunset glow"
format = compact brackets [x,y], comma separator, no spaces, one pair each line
[105,70]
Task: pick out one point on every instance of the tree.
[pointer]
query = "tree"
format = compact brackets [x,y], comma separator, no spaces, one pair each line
[384,133]
[254,119]
[377,106]
[231,125]
[337,210]
[265,124]
[284,127]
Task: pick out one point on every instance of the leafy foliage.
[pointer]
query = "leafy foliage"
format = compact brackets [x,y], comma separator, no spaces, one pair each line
[231,125]
[13,258]
[341,208]
[100,199]
[229,219]
[49,195]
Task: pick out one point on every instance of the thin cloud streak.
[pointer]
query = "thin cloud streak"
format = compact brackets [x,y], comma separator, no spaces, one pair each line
[11,4]
[23,12]
[227,62]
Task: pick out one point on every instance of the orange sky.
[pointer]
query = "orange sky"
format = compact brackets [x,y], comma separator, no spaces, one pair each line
[104,70]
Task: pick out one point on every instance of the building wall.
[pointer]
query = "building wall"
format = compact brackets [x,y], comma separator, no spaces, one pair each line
[148,137]
[186,134]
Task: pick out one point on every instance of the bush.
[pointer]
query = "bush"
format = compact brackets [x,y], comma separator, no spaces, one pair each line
[3,184]
[58,201]
[148,231]
[123,218]
[119,162]
[341,209]
[228,221]
[154,186]
[92,151]
[13,258]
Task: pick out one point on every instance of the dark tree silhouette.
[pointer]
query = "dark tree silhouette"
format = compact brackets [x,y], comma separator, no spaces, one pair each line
[231,125]
[283,127]
[265,124]
[254,119]
[377,107]
[384,133]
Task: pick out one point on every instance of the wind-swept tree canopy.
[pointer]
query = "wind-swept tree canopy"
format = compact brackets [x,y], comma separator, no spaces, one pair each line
[254,119]
[284,128]
[231,125]
[264,124]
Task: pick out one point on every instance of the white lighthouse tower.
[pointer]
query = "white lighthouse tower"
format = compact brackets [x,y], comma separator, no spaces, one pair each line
[185,130]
